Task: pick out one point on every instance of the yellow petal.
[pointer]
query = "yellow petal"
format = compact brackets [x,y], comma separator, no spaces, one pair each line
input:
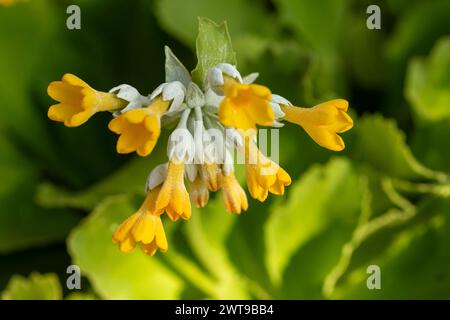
[144,228]
[233,195]
[79,118]
[62,112]
[63,92]
[122,231]
[150,248]
[128,244]
[245,105]
[160,236]
[326,139]
[74,80]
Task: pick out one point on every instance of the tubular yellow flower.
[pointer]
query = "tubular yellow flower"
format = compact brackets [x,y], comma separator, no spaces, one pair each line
[173,197]
[262,174]
[199,192]
[210,173]
[233,195]
[245,105]
[78,101]
[145,227]
[262,179]
[139,129]
[322,122]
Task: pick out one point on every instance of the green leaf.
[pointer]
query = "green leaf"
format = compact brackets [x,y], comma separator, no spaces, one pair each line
[81,296]
[22,223]
[207,231]
[409,37]
[380,143]
[35,287]
[213,47]
[428,83]
[113,274]
[414,266]
[319,22]
[374,231]
[317,219]
[175,70]
[429,143]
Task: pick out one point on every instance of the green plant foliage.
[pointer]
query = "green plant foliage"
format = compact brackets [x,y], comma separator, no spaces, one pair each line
[35,287]
[213,47]
[316,204]
[137,276]
[418,259]
[383,201]
[428,83]
[380,143]
[243,17]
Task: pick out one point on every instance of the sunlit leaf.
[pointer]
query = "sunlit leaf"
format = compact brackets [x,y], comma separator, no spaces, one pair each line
[415,266]
[113,274]
[213,47]
[428,83]
[35,287]
[321,212]
[380,143]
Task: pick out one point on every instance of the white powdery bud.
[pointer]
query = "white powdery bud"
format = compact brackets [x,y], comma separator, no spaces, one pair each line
[208,143]
[191,171]
[194,96]
[214,77]
[181,146]
[156,177]
[280,100]
[132,95]
[234,138]
[275,103]
[212,100]
[173,91]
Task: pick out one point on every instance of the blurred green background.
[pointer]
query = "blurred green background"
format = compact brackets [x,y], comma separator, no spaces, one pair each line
[383,201]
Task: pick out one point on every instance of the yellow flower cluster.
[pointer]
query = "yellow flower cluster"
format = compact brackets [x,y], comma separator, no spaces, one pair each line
[239,107]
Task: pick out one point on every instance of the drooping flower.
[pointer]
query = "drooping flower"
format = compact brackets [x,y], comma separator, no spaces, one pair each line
[78,101]
[322,122]
[199,192]
[210,173]
[262,174]
[233,195]
[173,196]
[144,227]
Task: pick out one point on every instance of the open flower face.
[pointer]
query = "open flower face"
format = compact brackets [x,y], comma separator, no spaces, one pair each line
[78,101]
[216,123]
[245,105]
[139,129]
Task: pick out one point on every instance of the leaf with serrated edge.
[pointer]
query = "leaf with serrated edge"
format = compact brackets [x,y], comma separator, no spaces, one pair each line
[213,47]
